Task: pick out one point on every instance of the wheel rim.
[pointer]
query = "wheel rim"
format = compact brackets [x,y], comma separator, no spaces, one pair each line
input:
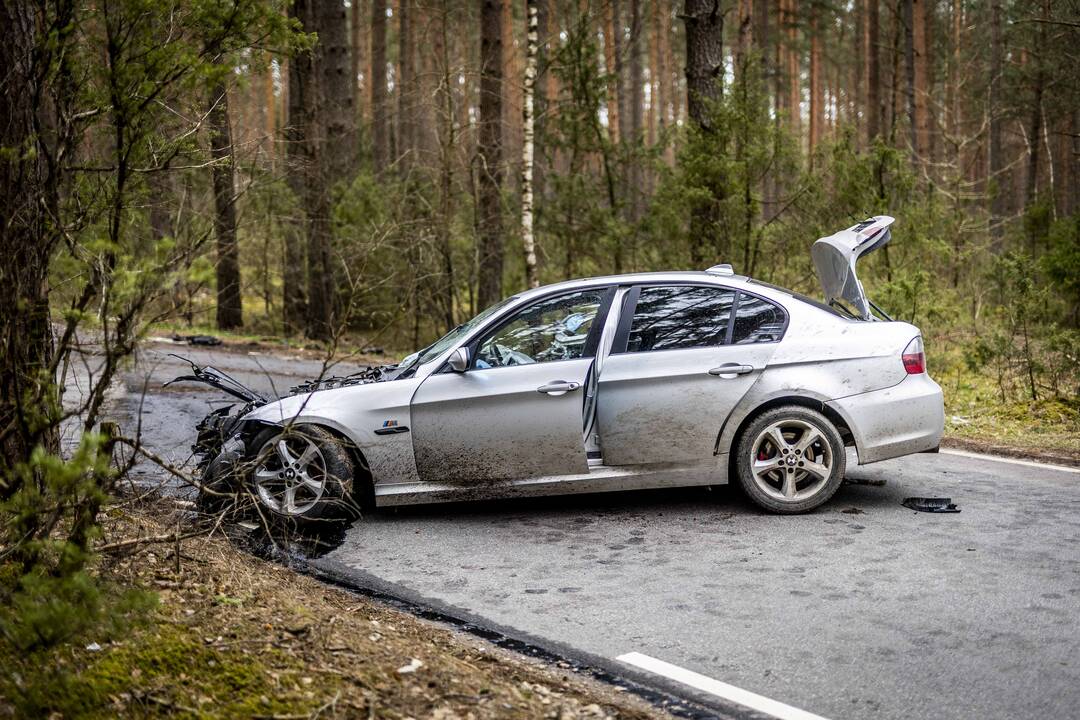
[791,460]
[290,474]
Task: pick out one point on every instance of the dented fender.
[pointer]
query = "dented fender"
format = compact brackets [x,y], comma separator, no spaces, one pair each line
[357,412]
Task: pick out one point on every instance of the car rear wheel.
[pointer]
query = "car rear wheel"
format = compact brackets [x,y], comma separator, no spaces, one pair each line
[303,473]
[790,459]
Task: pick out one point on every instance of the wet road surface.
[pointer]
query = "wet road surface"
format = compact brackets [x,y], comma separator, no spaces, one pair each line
[863,609]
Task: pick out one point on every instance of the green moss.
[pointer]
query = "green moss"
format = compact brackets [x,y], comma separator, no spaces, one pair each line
[164,671]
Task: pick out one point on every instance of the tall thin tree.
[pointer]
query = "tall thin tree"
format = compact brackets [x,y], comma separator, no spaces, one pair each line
[528,238]
[380,121]
[229,303]
[489,157]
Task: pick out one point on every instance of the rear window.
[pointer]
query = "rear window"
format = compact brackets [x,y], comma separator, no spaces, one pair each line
[677,317]
[756,321]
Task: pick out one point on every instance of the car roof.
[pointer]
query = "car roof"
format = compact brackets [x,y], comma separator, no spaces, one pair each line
[641,277]
[742,282]
[673,276]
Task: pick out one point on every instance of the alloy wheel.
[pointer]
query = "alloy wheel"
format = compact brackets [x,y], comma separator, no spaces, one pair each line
[791,460]
[290,474]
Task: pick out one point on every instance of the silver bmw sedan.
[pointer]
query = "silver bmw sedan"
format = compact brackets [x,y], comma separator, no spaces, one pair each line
[633,381]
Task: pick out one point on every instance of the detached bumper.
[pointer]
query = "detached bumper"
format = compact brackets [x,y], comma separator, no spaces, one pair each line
[906,418]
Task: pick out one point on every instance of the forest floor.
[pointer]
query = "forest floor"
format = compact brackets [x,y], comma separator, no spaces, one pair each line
[235,636]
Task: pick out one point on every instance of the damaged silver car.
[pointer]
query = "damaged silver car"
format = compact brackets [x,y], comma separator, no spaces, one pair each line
[634,381]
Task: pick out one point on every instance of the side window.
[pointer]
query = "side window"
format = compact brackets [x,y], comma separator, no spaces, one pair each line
[757,321]
[551,329]
[676,317]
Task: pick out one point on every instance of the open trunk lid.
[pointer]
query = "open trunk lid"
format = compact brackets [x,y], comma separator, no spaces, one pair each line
[835,257]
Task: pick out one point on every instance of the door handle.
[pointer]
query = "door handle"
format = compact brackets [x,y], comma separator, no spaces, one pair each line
[558,387]
[731,370]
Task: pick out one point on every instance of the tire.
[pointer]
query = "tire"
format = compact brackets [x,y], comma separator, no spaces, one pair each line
[221,486]
[310,481]
[797,476]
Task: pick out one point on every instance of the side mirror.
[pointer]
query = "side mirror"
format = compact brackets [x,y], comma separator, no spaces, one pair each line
[459,360]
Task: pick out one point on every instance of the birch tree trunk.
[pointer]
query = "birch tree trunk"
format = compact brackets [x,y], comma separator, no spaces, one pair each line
[528,239]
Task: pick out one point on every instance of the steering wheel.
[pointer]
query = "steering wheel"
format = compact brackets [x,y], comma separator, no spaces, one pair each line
[504,356]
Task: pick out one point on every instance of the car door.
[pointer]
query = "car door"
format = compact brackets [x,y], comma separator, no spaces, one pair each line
[516,412]
[678,367]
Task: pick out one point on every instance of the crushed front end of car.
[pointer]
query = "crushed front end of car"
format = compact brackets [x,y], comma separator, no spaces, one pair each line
[224,448]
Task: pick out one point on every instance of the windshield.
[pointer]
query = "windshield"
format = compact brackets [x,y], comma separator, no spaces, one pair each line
[441,345]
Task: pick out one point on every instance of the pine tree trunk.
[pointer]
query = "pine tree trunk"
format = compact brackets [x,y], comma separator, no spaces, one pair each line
[817,93]
[873,72]
[652,120]
[635,109]
[27,239]
[668,95]
[512,94]
[404,81]
[704,59]
[229,304]
[528,239]
[445,122]
[921,79]
[909,66]
[704,22]
[380,125]
[358,51]
[996,159]
[613,68]
[299,127]
[334,151]
[546,93]
[1035,124]
[490,160]
[794,91]
[271,113]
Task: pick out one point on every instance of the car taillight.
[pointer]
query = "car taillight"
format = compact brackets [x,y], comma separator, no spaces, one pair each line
[914,358]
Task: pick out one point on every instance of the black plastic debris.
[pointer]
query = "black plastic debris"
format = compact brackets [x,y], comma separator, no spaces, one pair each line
[197,339]
[931,505]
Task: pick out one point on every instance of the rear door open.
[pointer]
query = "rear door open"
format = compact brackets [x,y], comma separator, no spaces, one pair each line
[835,257]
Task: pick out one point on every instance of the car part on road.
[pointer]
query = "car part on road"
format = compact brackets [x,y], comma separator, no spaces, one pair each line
[931,505]
[790,459]
[209,375]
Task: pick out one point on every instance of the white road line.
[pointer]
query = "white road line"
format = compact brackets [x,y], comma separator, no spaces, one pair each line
[1011,461]
[742,697]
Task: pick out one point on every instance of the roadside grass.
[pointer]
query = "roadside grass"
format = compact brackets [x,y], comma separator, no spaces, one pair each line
[234,636]
[975,412]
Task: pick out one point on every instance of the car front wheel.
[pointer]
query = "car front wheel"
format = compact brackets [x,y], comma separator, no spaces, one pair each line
[303,473]
[790,459]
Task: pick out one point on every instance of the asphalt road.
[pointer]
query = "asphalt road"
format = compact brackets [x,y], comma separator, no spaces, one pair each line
[863,609]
